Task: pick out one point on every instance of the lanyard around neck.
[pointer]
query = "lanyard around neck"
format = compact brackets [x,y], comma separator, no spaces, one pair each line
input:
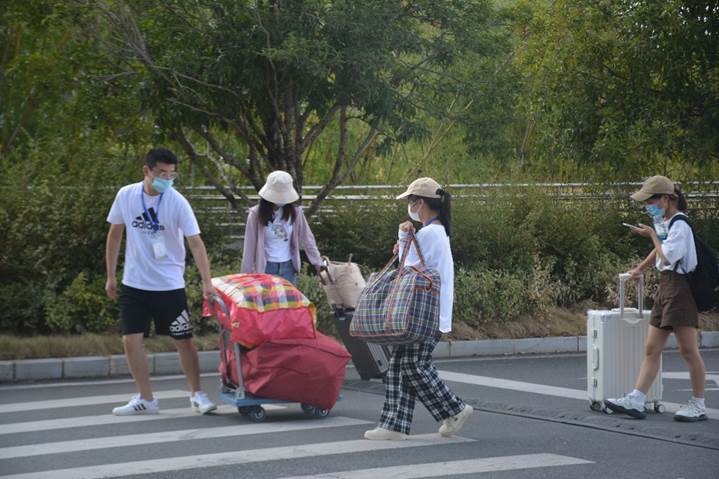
[156,220]
[431,221]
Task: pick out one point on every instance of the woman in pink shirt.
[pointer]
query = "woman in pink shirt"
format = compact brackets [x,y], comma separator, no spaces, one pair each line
[275,231]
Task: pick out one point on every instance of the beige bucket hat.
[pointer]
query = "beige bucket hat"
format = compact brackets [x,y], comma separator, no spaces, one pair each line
[656,185]
[278,188]
[426,187]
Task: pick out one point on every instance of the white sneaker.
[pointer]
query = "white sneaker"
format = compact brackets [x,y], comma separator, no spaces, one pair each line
[201,403]
[692,411]
[137,406]
[382,434]
[452,425]
[627,405]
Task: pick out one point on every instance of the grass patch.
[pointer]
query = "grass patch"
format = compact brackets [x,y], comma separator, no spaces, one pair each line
[14,347]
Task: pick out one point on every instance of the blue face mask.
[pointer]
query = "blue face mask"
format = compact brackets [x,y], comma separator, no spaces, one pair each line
[654,210]
[161,184]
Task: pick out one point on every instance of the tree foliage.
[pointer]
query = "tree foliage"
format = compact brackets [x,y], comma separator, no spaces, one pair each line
[628,86]
[248,87]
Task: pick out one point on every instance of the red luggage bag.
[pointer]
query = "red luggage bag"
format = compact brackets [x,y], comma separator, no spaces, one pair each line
[308,371]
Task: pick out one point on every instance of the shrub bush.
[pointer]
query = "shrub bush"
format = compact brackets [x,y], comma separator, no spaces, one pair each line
[516,253]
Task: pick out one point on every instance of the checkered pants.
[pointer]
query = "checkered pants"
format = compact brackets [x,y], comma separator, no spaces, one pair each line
[411,375]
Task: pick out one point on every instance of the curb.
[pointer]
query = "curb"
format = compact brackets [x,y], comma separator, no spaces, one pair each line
[168,363]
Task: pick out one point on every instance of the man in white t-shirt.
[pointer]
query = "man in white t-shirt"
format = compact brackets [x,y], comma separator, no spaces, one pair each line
[157,219]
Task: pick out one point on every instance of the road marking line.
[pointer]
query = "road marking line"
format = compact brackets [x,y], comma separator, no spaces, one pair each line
[469,466]
[98,382]
[84,401]
[109,419]
[239,457]
[685,375]
[65,447]
[543,389]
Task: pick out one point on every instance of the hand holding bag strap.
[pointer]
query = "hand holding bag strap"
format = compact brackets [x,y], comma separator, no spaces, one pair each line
[326,262]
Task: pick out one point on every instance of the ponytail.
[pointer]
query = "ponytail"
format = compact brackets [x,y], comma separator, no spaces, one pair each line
[681,199]
[445,211]
[443,204]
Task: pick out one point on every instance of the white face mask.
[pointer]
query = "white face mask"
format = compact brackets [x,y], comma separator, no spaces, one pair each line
[412,215]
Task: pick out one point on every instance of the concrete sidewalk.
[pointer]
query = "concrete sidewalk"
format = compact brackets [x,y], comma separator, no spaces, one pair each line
[168,363]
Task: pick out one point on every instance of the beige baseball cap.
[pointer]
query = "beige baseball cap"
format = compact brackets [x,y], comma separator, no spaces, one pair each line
[656,185]
[278,188]
[426,187]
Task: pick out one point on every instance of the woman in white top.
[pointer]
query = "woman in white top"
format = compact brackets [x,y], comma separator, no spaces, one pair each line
[411,374]
[674,307]
[275,231]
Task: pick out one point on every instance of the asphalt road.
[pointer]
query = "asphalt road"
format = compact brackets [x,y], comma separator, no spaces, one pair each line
[532,419]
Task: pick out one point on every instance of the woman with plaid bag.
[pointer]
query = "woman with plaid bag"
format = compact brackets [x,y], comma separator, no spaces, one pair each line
[411,374]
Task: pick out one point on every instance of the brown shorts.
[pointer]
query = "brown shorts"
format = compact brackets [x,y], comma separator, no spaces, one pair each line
[674,304]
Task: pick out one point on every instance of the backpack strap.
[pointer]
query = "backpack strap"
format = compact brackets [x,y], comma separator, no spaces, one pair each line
[680,217]
[684,218]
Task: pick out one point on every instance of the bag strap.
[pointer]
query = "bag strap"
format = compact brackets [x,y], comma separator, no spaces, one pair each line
[392,297]
[411,239]
[680,217]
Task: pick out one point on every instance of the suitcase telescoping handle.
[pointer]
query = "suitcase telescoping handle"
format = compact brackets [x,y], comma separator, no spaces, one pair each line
[640,293]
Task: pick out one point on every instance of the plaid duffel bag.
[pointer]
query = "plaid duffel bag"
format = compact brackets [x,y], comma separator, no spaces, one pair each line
[399,306]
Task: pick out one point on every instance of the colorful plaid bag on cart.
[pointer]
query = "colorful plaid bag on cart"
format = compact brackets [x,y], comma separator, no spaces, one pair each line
[399,306]
[263,307]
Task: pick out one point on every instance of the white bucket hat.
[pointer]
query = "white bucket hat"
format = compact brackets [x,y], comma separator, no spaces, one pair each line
[278,188]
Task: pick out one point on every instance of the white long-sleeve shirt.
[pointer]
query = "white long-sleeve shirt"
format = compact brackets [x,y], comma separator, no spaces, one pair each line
[434,243]
[679,246]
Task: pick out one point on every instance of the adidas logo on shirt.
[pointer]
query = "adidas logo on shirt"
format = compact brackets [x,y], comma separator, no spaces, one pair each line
[181,324]
[144,222]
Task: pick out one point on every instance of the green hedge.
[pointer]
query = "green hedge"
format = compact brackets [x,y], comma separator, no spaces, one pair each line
[516,254]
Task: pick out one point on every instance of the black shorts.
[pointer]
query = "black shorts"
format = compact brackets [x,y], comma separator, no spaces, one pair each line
[167,308]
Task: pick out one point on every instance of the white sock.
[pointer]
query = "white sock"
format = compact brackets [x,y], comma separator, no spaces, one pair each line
[638,396]
[699,401]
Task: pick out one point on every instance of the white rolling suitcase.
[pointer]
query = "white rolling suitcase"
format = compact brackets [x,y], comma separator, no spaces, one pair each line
[615,349]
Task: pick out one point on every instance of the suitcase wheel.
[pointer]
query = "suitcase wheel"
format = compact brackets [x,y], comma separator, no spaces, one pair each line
[314,412]
[254,413]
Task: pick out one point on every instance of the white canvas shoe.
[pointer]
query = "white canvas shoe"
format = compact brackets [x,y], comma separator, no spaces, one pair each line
[452,425]
[382,434]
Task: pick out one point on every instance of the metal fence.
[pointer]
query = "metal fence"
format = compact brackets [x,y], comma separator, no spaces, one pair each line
[703,197]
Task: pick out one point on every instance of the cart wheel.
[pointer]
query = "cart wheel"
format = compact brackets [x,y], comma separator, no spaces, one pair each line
[596,406]
[257,414]
[321,412]
[307,409]
[659,408]
[244,410]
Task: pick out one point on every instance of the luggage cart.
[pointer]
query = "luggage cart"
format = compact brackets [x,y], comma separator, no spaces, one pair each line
[248,405]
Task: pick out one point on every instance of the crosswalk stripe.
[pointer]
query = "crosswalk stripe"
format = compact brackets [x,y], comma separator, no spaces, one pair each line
[543,389]
[97,382]
[109,419]
[469,466]
[84,401]
[239,457]
[63,447]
